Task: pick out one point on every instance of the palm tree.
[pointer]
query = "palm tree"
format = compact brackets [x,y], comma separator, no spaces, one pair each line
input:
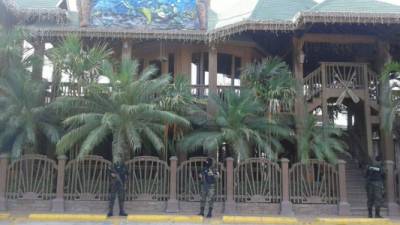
[241,124]
[389,97]
[178,98]
[11,50]
[25,119]
[129,113]
[320,142]
[273,82]
[82,65]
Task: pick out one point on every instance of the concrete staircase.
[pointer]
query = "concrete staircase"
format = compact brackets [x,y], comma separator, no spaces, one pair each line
[357,195]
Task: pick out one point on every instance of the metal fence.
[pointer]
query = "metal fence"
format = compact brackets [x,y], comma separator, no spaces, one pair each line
[254,180]
[314,182]
[87,179]
[148,179]
[257,180]
[189,183]
[31,177]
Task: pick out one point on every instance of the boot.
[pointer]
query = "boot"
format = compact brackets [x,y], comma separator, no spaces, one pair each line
[209,214]
[201,211]
[121,209]
[378,212]
[369,212]
[111,207]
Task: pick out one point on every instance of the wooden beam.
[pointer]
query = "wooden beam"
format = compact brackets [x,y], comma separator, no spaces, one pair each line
[338,38]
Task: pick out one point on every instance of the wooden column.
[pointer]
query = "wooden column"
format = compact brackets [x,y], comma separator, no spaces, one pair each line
[164,66]
[213,72]
[126,51]
[298,71]
[324,98]
[230,204]
[172,204]
[58,202]
[343,206]
[4,158]
[84,12]
[367,114]
[393,207]
[37,67]
[286,205]
[386,136]
[183,61]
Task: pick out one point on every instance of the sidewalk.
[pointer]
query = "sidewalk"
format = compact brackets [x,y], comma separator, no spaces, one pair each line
[97,219]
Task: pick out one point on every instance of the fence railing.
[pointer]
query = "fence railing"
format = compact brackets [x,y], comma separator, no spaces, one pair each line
[32,177]
[314,182]
[87,179]
[257,180]
[252,181]
[189,183]
[148,179]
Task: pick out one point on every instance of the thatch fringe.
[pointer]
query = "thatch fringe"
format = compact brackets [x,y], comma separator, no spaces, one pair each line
[223,33]
[58,16]
[348,17]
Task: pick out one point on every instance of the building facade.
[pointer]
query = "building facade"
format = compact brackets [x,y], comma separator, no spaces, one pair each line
[336,50]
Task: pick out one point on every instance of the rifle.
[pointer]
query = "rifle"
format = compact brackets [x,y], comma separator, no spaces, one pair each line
[117,176]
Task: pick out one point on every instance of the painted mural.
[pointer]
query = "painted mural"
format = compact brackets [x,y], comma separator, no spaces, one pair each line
[149,14]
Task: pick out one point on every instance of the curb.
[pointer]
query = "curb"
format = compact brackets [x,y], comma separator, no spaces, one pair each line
[258,220]
[67,217]
[4,216]
[350,221]
[165,218]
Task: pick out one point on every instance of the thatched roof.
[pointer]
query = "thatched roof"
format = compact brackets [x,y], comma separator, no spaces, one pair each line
[239,16]
[36,10]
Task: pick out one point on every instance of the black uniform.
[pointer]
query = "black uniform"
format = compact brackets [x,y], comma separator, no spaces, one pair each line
[375,187]
[208,178]
[119,174]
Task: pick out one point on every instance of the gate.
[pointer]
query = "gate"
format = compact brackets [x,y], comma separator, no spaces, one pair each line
[32,177]
[189,184]
[148,179]
[314,182]
[87,179]
[257,180]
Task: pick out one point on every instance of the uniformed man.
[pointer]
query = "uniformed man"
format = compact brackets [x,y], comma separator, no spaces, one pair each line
[208,177]
[375,187]
[119,174]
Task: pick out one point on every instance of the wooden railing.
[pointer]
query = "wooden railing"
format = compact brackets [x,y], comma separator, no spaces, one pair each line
[313,84]
[341,75]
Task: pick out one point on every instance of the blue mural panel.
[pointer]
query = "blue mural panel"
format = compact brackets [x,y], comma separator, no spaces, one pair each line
[147,14]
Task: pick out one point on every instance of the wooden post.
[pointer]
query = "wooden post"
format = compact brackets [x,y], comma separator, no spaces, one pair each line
[58,202]
[386,136]
[84,12]
[324,98]
[230,204]
[172,204]
[4,158]
[213,73]
[286,205]
[393,207]
[298,71]
[126,52]
[343,206]
[367,113]
[37,68]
